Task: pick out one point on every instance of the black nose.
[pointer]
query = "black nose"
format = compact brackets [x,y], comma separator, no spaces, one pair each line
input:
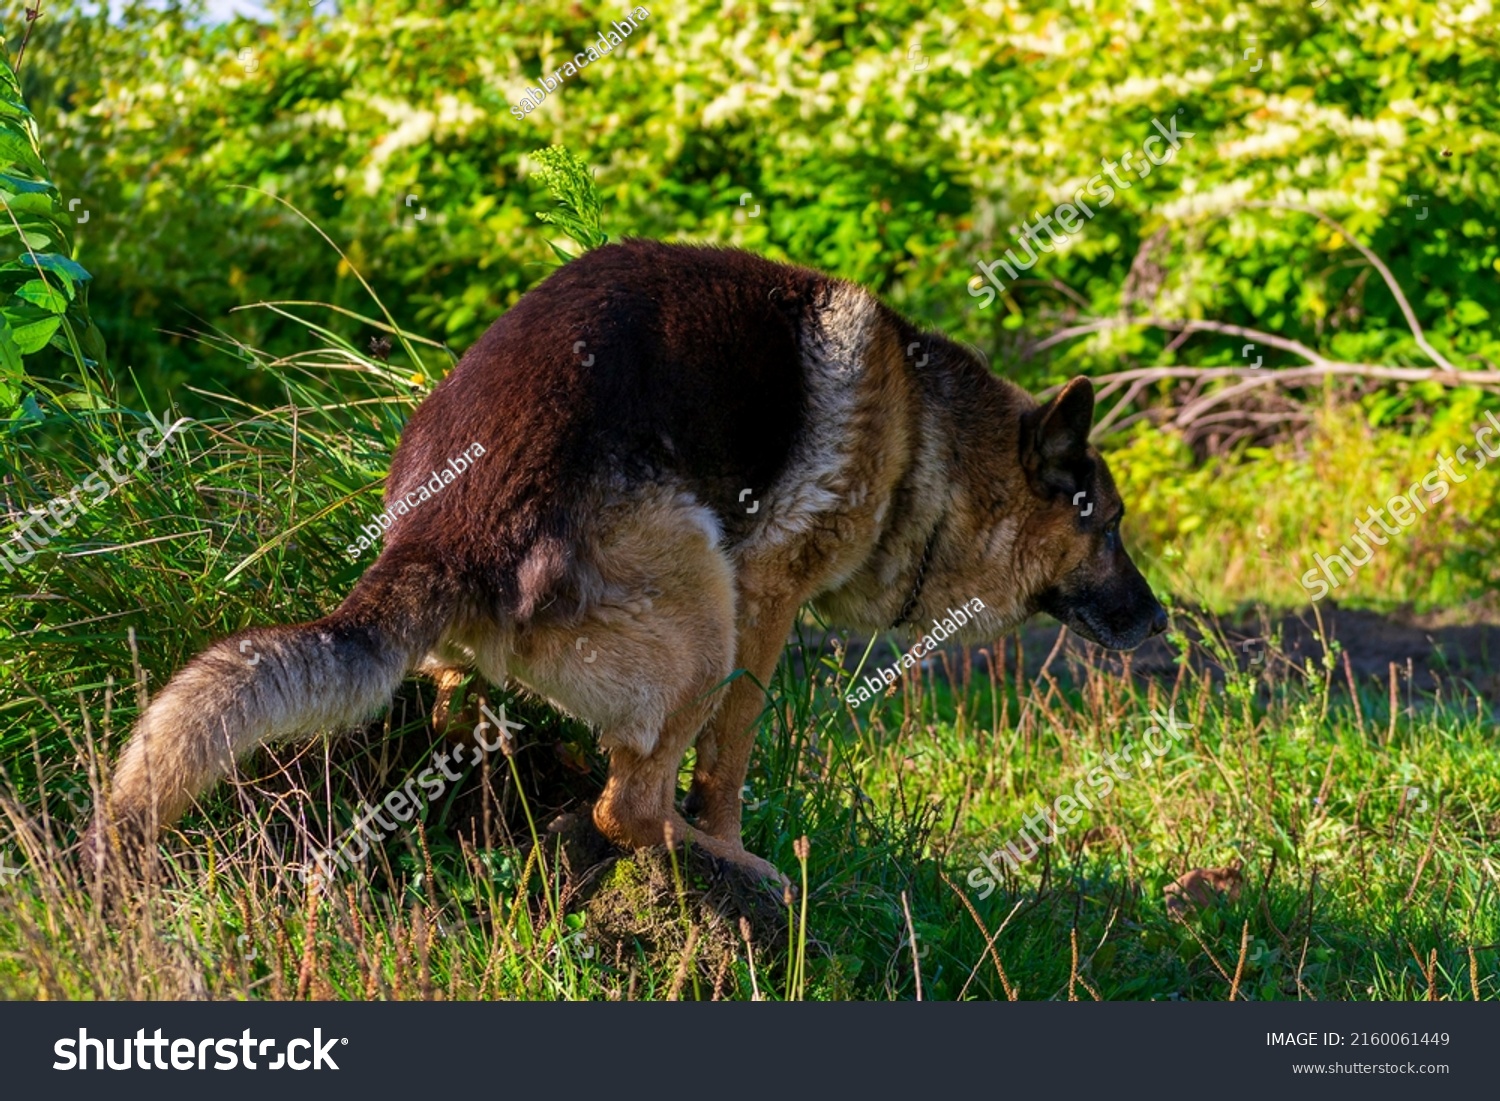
[1159,620]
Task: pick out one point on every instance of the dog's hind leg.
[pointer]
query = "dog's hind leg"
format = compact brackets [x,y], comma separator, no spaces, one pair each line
[647,665]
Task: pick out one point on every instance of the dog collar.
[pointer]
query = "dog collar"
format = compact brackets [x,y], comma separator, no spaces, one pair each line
[922,567]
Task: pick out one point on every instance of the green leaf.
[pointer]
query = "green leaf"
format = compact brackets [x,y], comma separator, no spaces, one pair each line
[10,355]
[29,202]
[1469,312]
[15,148]
[68,271]
[33,336]
[9,86]
[20,185]
[14,109]
[80,399]
[33,238]
[40,294]
[51,261]
[31,411]
[90,340]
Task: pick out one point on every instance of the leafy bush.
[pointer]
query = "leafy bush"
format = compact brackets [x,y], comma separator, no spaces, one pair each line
[1246,527]
[896,144]
[43,290]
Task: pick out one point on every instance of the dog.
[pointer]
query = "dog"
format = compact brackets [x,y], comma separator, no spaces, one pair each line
[670,451]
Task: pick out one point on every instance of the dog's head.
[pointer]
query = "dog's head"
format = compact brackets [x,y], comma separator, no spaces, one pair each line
[1089,582]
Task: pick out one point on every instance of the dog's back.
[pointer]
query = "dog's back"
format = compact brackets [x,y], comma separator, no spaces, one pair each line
[637,363]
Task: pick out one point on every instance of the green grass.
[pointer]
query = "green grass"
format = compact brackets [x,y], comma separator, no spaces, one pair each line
[1353,886]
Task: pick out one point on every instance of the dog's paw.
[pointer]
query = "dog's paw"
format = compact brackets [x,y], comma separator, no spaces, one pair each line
[756,870]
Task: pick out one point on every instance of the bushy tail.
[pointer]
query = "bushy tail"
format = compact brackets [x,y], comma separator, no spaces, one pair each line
[270,683]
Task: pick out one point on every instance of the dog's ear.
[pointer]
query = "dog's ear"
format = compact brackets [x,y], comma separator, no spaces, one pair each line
[1055,439]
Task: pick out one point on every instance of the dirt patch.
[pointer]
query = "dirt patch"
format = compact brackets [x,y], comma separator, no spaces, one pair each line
[1427,651]
[683,914]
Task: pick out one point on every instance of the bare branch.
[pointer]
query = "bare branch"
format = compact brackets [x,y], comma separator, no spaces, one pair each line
[1296,376]
[1296,347]
[1130,395]
[1196,404]
[1251,378]
[1379,265]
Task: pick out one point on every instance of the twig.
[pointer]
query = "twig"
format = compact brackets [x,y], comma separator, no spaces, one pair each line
[1021,720]
[1288,376]
[32,15]
[1428,969]
[1239,968]
[1302,962]
[1074,978]
[309,944]
[1312,886]
[1379,265]
[675,994]
[989,946]
[1211,957]
[1437,819]
[916,964]
[750,957]
[1270,339]
[1251,378]
[1188,325]
[1395,709]
[1318,366]
[1073,970]
[1359,715]
[1130,395]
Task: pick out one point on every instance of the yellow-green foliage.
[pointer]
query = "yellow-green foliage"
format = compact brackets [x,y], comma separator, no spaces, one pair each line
[1247,527]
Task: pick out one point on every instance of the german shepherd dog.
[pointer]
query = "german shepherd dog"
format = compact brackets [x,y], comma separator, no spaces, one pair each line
[680,447]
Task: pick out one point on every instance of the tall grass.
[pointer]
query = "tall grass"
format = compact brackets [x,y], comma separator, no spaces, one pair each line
[1367,841]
